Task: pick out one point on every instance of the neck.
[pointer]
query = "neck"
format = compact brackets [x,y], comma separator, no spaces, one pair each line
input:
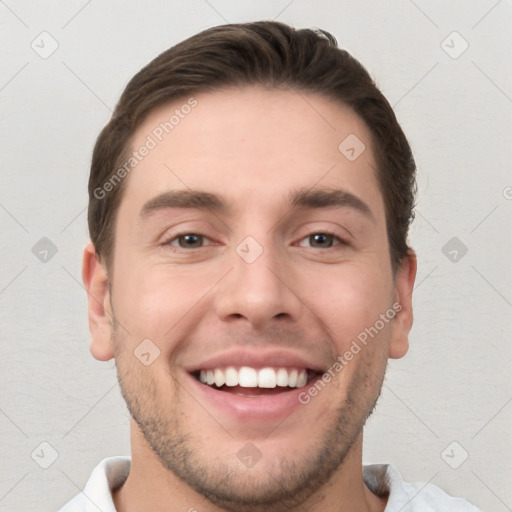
[150,486]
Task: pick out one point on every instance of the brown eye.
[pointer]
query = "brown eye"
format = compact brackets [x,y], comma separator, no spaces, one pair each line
[190,240]
[187,241]
[322,240]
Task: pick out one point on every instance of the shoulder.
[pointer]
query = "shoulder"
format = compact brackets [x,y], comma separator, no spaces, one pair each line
[411,497]
[107,476]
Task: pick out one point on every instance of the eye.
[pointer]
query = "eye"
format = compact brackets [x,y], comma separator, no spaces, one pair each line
[187,241]
[323,240]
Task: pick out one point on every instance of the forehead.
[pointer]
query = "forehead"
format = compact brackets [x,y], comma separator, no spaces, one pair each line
[253,146]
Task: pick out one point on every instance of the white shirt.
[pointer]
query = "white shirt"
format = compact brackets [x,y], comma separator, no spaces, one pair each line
[110,474]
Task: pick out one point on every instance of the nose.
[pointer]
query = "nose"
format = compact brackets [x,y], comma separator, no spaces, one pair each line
[259,288]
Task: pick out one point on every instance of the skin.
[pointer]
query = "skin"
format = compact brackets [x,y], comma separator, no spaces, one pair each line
[253,146]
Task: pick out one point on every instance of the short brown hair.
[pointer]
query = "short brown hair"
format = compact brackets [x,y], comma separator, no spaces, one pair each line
[265,53]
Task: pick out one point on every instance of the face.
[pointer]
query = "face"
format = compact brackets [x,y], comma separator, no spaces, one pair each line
[251,255]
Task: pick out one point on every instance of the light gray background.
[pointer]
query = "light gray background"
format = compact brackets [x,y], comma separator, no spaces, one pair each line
[455,383]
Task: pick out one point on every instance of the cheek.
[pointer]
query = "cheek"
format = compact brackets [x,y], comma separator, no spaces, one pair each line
[351,299]
[159,302]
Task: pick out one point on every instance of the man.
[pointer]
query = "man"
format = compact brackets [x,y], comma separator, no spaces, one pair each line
[249,272]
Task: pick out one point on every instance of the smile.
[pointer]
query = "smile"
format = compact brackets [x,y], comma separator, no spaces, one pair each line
[255,385]
[248,377]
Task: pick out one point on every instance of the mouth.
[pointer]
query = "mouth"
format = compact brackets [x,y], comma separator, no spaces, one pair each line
[249,387]
[249,382]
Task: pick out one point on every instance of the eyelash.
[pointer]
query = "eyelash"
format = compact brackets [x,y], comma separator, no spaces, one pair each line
[327,232]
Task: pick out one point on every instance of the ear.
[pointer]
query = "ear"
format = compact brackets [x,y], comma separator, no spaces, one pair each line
[402,323]
[95,281]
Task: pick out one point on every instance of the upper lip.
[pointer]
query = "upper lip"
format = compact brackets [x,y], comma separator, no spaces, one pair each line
[257,358]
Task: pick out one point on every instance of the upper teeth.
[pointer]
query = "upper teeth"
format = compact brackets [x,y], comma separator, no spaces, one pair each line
[247,377]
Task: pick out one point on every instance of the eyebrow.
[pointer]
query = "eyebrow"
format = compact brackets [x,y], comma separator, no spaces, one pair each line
[329,197]
[184,199]
[302,198]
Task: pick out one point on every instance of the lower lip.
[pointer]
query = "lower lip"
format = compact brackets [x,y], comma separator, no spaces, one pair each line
[264,408]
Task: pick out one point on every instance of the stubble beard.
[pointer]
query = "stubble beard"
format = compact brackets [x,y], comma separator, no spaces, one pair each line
[290,483]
